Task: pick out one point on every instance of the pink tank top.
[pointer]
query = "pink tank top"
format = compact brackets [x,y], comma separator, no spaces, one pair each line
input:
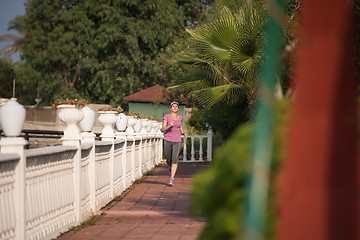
[173,134]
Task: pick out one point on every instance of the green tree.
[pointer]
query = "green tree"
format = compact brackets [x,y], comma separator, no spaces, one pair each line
[7,75]
[59,45]
[102,50]
[130,37]
[8,72]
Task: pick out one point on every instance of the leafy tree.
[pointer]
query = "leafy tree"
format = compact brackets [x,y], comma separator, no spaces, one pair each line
[223,118]
[102,50]
[8,72]
[59,46]
[7,75]
[28,79]
[195,11]
[128,58]
[233,5]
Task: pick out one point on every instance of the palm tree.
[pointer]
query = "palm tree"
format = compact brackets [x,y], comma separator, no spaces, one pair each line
[226,52]
[16,24]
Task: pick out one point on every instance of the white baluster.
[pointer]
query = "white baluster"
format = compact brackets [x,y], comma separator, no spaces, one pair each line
[209,144]
[90,137]
[201,149]
[184,151]
[192,149]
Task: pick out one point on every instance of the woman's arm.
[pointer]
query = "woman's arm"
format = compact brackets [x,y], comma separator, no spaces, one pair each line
[164,127]
[183,132]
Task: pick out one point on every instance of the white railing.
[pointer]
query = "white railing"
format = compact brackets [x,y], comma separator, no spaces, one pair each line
[46,191]
[197,155]
[58,190]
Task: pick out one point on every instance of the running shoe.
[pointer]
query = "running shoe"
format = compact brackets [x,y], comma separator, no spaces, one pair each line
[171,182]
[170,171]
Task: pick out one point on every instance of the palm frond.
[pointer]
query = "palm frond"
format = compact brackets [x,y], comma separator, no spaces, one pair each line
[192,86]
[219,33]
[9,37]
[228,93]
[214,40]
[245,57]
[17,24]
[212,70]
[8,50]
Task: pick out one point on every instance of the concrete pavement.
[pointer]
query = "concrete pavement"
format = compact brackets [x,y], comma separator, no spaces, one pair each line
[150,209]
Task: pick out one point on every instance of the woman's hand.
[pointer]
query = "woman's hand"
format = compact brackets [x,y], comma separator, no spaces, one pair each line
[165,127]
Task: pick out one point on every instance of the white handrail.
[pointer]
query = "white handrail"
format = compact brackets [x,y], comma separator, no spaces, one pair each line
[200,150]
[46,191]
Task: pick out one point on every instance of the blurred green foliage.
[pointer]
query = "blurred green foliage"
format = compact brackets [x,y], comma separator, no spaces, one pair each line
[223,118]
[219,192]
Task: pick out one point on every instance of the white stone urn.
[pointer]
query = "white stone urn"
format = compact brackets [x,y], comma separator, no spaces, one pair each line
[138,125]
[160,127]
[144,126]
[87,123]
[149,126]
[154,126]
[121,122]
[12,118]
[130,124]
[108,119]
[71,116]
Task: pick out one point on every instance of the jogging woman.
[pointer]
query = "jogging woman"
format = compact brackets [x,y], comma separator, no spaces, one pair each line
[172,128]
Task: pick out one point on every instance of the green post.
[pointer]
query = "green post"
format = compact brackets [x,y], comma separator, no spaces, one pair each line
[259,175]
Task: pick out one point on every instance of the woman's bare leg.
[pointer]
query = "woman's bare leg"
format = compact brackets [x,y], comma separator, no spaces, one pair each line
[173,170]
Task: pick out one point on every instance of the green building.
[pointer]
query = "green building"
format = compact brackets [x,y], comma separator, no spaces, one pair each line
[153,102]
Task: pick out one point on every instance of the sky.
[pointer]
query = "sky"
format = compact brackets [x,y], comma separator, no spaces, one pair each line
[9,9]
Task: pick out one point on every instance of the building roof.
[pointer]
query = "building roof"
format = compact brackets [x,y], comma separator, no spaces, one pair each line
[151,94]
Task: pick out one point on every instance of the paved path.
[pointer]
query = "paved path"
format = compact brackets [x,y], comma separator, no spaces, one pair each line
[148,210]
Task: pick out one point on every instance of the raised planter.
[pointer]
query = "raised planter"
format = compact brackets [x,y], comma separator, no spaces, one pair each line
[71,116]
[108,119]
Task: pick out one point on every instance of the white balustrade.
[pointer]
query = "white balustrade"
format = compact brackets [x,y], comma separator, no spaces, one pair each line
[50,202]
[46,191]
[193,150]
